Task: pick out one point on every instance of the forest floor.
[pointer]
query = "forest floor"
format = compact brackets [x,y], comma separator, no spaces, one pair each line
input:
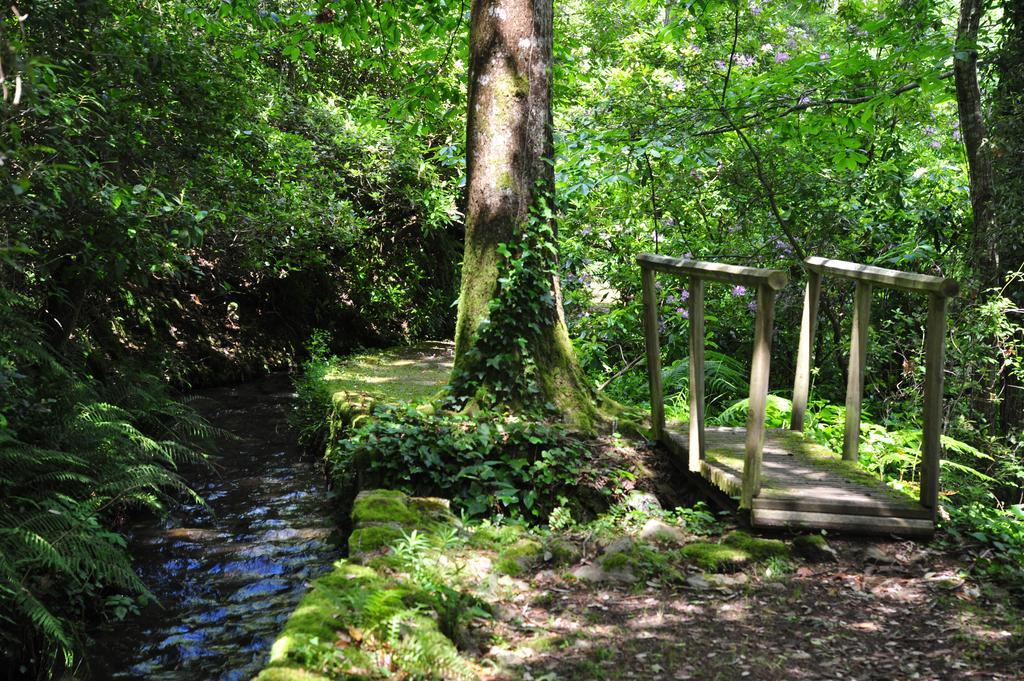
[880,609]
[627,596]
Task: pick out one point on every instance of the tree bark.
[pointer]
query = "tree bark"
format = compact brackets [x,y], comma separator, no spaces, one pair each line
[984,252]
[510,200]
[1008,133]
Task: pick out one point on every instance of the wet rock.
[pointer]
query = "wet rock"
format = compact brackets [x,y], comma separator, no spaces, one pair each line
[596,573]
[875,554]
[814,549]
[655,530]
[561,551]
[727,581]
[644,502]
[698,582]
[619,545]
[703,582]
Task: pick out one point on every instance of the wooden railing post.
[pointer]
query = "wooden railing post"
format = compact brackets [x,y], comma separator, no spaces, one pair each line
[653,352]
[931,436]
[696,439]
[758,402]
[805,351]
[858,358]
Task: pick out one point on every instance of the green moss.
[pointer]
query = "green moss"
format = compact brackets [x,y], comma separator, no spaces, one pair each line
[809,541]
[332,601]
[285,674]
[715,557]
[755,547]
[383,506]
[616,560]
[562,551]
[357,598]
[434,508]
[521,555]
[373,538]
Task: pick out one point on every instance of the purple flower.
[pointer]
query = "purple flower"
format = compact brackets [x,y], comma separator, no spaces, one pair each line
[929,130]
[956,135]
[688,256]
[678,86]
[744,60]
[681,310]
[804,101]
[824,56]
[755,9]
[720,64]
[684,312]
[781,57]
[738,290]
[684,295]
[935,144]
[752,306]
[585,231]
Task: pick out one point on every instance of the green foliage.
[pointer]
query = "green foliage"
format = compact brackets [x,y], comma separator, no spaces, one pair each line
[454,608]
[1000,533]
[485,462]
[75,456]
[698,519]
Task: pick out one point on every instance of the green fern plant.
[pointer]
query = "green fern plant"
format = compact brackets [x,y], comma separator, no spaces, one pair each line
[75,455]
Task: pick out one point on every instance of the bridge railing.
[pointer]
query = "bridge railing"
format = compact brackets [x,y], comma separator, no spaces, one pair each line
[767,282]
[939,290]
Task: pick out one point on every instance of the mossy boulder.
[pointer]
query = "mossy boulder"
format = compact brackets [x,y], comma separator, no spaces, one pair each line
[383,506]
[288,674]
[350,614]
[758,549]
[373,539]
[736,550]
[561,551]
[519,557]
[814,548]
[715,557]
[382,516]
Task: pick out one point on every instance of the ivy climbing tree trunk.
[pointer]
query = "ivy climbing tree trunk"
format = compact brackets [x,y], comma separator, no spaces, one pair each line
[511,343]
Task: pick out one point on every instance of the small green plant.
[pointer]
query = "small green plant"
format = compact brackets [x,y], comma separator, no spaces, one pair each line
[560,519]
[453,607]
[698,519]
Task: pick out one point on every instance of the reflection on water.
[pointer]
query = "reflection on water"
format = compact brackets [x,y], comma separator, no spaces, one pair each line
[227,577]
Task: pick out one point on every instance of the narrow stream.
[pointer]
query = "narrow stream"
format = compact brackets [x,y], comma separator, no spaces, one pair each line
[227,580]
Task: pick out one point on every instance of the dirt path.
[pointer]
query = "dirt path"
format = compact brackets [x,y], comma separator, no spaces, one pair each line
[836,622]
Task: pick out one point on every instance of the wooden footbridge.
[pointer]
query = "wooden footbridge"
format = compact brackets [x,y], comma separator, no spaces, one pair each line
[781,477]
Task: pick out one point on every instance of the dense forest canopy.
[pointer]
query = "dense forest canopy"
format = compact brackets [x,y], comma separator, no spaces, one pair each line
[190,191]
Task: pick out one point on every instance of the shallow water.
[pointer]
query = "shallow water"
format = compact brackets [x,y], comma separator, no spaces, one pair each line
[227,580]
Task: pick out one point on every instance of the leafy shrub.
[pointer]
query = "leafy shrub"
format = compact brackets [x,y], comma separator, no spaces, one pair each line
[484,462]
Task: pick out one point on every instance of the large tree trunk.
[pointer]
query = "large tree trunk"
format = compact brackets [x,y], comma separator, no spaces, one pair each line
[511,341]
[984,252]
[1008,134]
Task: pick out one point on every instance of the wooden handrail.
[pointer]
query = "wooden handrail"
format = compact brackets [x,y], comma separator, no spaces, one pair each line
[880,276]
[714,271]
[767,282]
[939,291]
